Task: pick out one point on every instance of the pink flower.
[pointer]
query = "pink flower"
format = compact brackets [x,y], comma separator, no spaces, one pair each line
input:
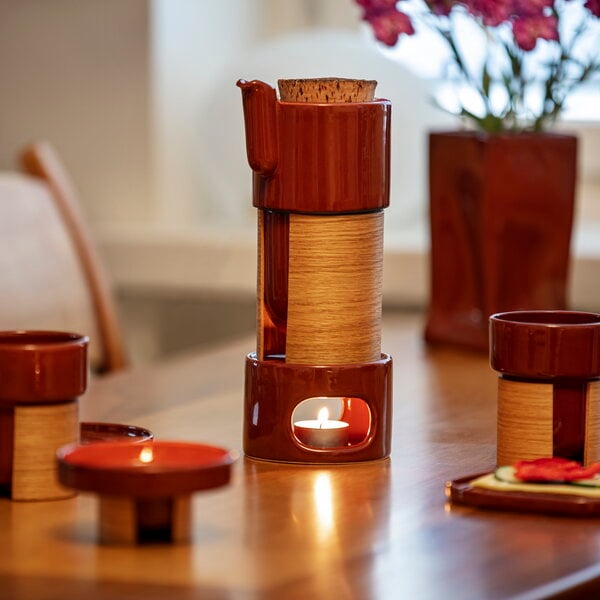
[441,7]
[377,5]
[593,6]
[492,12]
[528,31]
[525,8]
[388,26]
[513,28]
[387,22]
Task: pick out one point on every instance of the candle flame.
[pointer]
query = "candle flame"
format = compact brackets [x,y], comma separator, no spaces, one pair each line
[146,455]
[323,416]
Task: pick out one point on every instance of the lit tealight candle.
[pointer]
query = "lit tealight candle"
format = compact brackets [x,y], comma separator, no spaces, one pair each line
[322,432]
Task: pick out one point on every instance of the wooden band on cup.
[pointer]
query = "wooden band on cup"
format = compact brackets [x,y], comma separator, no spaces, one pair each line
[334,288]
[39,430]
[538,419]
[525,420]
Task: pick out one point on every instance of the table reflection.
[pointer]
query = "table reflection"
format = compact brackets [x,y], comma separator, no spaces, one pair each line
[325,515]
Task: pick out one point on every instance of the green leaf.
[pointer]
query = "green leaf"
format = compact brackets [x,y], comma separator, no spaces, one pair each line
[492,124]
[486,81]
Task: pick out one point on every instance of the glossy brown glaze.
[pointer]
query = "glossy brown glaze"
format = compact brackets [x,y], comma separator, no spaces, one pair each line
[501,212]
[274,389]
[273,287]
[461,492]
[568,419]
[7,417]
[316,158]
[260,119]
[92,433]
[546,344]
[42,366]
[358,416]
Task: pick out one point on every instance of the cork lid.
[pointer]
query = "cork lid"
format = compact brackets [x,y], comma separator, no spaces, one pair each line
[326,90]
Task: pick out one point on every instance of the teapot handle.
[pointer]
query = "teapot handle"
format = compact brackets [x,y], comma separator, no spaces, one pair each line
[259,100]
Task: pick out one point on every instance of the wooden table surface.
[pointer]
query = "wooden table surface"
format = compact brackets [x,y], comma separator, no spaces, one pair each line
[371,530]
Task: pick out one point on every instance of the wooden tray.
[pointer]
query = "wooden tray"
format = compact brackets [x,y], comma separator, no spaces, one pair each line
[460,491]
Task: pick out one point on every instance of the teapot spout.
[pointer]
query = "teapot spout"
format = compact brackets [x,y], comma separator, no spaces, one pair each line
[259,101]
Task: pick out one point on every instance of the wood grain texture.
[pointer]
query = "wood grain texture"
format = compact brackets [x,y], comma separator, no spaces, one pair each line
[125,520]
[38,432]
[117,520]
[326,90]
[181,524]
[376,530]
[524,421]
[334,288]
[592,423]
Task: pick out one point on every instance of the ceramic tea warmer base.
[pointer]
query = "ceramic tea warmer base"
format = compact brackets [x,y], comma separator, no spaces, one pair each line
[274,389]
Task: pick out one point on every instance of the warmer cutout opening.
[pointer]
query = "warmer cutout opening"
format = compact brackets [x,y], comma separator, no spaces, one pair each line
[331,422]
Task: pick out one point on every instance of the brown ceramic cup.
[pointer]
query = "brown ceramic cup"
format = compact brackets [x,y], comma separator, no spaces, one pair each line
[552,344]
[42,374]
[549,386]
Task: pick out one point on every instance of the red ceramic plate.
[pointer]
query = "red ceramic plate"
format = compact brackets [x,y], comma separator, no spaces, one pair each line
[151,470]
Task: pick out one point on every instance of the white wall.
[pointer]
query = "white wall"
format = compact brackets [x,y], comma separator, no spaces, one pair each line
[192,42]
[77,73]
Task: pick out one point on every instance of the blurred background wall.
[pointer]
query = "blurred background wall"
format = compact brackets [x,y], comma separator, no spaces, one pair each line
[138,96]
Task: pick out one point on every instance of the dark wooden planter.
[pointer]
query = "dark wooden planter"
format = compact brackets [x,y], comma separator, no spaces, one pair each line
[501,215]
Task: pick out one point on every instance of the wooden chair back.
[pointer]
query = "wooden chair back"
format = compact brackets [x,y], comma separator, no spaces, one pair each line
[51,276]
